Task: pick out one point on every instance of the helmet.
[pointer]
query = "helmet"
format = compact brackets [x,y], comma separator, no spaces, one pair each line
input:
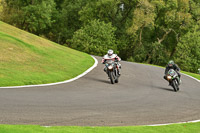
[171,63]
[110,52]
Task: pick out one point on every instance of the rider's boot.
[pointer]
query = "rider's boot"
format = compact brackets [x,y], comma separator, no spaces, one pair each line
[119,72]
[179,81]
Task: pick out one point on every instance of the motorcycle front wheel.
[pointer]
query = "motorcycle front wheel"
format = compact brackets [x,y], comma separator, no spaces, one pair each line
[175,85]
[111,75]
[117,80]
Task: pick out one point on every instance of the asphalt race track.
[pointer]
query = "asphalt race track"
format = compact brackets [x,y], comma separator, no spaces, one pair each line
[142,97]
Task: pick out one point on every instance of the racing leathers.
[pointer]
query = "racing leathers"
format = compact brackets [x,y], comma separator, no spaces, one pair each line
[175,67]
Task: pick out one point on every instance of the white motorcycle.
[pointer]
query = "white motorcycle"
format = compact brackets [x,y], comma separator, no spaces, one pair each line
[112,71]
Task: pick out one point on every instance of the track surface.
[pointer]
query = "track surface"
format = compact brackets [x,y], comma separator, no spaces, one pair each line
[141,97]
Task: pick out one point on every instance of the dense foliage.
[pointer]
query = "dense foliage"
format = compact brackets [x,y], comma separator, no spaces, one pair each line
[95,38]
[150,31]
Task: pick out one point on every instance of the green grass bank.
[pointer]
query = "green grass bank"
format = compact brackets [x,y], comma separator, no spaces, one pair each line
[26,59]
[174,128]
[197,76]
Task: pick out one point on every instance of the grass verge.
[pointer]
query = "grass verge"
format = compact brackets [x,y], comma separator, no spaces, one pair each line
[27,59]
[174,128]
[197,76]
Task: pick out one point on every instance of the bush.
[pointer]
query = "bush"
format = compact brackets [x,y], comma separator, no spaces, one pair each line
[94,38]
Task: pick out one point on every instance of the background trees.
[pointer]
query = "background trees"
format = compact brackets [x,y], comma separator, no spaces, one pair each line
[95,38]
[150,31]
[32,15]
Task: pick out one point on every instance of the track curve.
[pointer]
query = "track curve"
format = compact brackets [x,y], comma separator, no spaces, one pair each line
[141,97]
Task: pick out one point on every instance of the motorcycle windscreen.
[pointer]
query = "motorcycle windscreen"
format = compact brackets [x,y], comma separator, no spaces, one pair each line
[172,72]
[110,61]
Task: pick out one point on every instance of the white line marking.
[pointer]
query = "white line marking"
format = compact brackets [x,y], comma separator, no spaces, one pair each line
[66,81]
[46,126]
[174,123]
[191,77]
[179,122]
[87,71]
[170,123]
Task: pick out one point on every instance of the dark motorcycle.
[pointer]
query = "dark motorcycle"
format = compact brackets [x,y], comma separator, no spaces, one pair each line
[173,79]
[112,71]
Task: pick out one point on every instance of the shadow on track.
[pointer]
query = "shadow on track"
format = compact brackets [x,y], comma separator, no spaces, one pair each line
[99,80]
[163,88]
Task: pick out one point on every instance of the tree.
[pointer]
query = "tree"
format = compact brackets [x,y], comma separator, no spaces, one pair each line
[151,31]
[37,16]
[188,53]
[141,29]
[143,16]
[68,19]
[172,22]
[94,38]
[195,10]
[104,10]
[32,15]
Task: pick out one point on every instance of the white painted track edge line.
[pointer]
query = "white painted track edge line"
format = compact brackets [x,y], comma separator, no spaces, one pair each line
[62,82]
[176,122]
[164,68]
[87,71]
[156,124]
[179,122]
[173,123]
[191,77]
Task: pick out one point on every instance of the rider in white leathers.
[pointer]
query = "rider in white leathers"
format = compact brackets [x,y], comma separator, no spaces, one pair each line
[114,57]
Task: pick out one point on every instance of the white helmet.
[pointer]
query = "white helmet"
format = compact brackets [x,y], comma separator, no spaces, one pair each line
[110,52]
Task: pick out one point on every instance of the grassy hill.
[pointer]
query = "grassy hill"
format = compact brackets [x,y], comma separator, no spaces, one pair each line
[27,59]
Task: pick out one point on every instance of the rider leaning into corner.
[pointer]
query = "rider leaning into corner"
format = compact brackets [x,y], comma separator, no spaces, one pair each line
[172,65]
[114,57]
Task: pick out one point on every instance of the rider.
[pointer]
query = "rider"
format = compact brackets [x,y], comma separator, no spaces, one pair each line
[111,56]
[172,65]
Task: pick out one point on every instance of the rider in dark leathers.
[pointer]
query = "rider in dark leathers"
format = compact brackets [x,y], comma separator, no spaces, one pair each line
[172,65]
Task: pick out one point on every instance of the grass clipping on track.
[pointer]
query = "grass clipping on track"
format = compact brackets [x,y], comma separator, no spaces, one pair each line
[174,128]
[26,59]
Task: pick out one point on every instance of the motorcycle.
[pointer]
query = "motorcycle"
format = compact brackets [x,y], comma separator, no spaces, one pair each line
[112,71]
[173,79]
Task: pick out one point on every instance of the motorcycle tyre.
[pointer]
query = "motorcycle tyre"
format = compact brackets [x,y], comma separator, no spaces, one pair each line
[174,85]
[117,80]
[111,74]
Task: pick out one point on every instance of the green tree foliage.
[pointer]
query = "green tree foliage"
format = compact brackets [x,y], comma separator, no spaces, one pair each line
[31,15]
[1,9]
[195,10]
[104,10]
[69,18]
[95,38]
[37,16]
[188,53]
[157,27]
[150,31]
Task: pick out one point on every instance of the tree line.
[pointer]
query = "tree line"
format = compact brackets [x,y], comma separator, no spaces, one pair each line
[148,31]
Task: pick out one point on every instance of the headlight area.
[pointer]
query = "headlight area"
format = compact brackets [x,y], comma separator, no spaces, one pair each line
[169,77]
[110,67]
